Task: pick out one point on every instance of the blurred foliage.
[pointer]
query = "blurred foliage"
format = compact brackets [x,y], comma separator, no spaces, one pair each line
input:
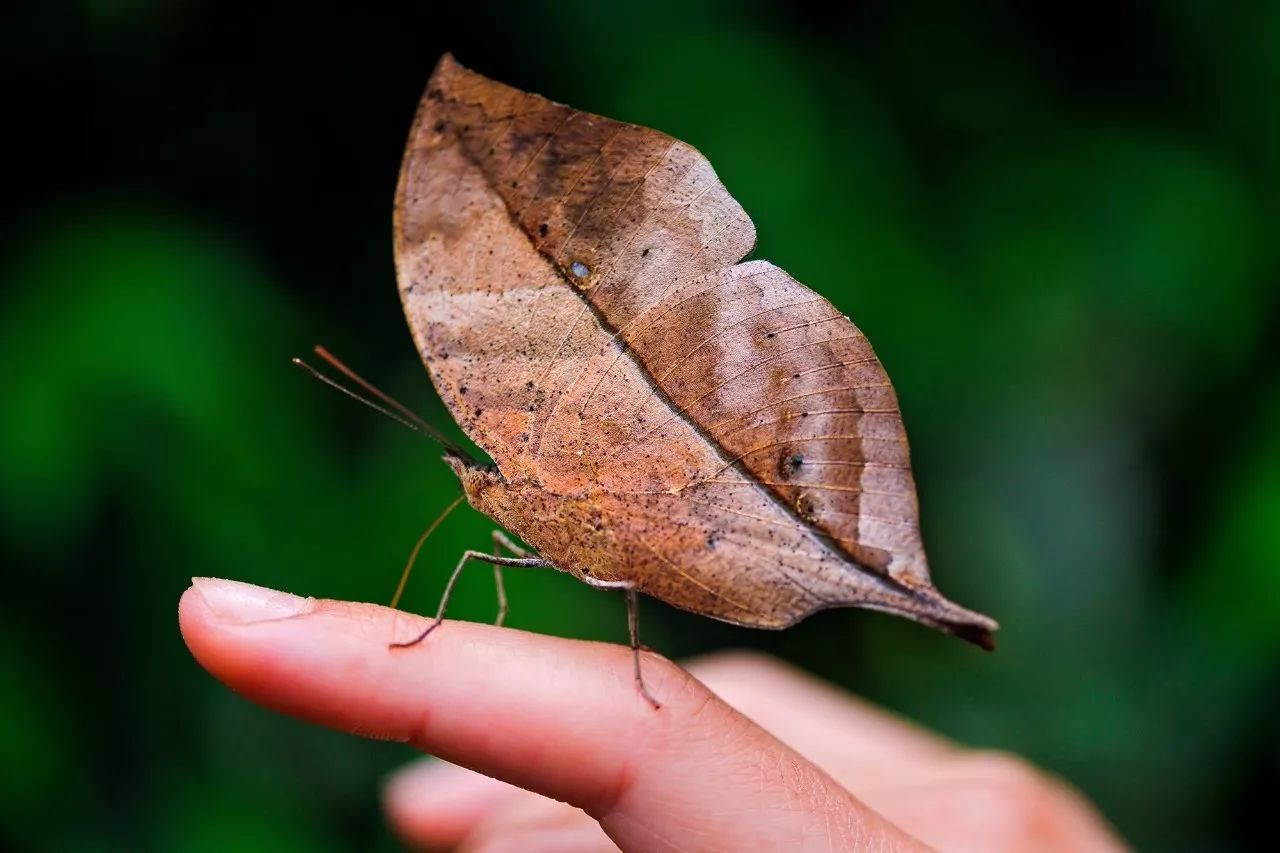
[1056,222]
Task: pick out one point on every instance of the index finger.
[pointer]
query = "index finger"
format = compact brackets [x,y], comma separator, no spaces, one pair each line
[555,716]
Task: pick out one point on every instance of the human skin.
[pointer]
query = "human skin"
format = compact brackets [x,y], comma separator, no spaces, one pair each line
[550,747]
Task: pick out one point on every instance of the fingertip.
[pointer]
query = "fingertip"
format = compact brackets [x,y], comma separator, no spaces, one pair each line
[193,624]
[189,609]
[211,609]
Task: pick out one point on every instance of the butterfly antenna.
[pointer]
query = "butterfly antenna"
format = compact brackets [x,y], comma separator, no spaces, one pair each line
[393,409]
[413,555]
[368,386]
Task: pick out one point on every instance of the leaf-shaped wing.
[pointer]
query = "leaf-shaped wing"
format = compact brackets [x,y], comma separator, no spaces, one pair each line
[572,285]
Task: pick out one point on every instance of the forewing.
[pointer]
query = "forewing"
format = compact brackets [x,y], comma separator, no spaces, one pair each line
[505,198]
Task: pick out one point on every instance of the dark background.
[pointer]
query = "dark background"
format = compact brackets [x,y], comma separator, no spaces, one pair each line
[1056,222]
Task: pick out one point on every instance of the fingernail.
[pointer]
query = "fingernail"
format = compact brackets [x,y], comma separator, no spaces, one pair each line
[243,603]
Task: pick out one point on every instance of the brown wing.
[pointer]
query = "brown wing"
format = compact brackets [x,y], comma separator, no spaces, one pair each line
[626,212]
[570,282]
[789,387]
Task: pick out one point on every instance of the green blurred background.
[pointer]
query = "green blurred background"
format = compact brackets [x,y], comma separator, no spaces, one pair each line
[1057,222]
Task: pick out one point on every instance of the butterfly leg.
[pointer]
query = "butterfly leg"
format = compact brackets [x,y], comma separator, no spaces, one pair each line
[502,540]
[633,627]
[468,556]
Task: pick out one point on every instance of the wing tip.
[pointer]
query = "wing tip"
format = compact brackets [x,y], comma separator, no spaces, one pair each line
[981,636]
[967,625]
[929,607]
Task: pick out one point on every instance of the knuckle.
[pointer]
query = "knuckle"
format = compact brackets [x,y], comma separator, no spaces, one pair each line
[1020,802]
[1006,769]
[731,660]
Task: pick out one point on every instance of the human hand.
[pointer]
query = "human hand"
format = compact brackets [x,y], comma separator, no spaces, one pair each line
[746,753]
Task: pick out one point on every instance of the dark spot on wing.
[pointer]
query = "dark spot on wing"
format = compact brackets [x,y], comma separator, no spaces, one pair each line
[789,464]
